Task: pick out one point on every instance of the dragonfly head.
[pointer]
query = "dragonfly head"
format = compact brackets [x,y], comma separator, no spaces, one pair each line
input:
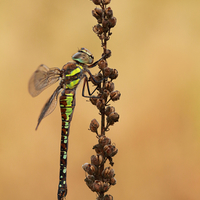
[83,56]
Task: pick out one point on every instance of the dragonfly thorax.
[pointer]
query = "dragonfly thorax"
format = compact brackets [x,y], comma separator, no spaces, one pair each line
[72,74]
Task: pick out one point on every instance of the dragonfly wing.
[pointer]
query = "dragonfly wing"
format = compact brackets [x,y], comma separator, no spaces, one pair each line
[49,106]
[42,78]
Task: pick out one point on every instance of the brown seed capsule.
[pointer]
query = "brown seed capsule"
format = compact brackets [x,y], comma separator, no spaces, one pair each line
[115,95]
[109,12]
[98,148]
[98,185]
[113,181]
[114,152]
[89,181]
[108,53]
[96,160]
[109,109]
[103,140]
[90,178]
[110,150]
[105,23]
[93,100]
[113,117]
[105,2]
[108,197]
[100,103]
[108,173]
[96,2]
[110,86]
[114,74]
[102,64]
[90,169]
[105,94]
[95,14]
[94,125]
[106,187]
[98,11]
[106,72]
[98,29]
[112,22]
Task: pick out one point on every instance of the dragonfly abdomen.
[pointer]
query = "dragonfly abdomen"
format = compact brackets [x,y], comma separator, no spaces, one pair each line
[67,104]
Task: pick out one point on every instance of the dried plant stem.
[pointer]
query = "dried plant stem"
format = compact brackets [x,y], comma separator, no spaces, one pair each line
[99,179]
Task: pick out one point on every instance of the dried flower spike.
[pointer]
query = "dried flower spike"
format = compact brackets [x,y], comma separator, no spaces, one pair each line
[99,178]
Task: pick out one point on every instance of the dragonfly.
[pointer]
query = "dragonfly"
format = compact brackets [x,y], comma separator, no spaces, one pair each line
[70,77]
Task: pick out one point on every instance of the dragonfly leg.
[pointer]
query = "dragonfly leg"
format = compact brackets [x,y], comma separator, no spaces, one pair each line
[95,63]
[88,89]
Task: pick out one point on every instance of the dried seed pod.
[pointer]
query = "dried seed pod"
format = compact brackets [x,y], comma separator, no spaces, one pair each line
[105,23]
[110,150]
[103,140]
[114,74]
[97,13]
[109,12]
[105,94]
[96,2]
[110,86]
[90,185]
[98,185]
[109,109]
[100,103]
[98,29]
[108,173]
[108,53]
[112,22]
[115,95]
[108,197]
[106,187]
[93,100]
[105,2]
[106,71]
[98,148]
[113,117]
[90,169]
[96,160]
[94,125]
[113,181]
[90,178]
[102,64]
[114,152]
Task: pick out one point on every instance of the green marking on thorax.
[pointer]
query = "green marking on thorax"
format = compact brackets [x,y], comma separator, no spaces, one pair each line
[72,84]
[74,72]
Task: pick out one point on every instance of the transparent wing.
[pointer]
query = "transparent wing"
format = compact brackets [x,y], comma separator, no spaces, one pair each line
[49,106]
[42,78]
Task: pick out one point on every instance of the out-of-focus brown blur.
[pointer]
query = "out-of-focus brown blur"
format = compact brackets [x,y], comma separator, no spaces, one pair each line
[155,47]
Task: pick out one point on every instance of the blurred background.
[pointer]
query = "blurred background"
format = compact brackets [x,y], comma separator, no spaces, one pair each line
[155,48]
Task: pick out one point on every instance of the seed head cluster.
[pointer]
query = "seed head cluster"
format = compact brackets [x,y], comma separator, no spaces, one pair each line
[98,177]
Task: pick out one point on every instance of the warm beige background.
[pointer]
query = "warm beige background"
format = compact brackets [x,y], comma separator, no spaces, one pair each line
[155,47]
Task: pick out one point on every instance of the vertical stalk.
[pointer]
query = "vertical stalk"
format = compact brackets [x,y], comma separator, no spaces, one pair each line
[100,178]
